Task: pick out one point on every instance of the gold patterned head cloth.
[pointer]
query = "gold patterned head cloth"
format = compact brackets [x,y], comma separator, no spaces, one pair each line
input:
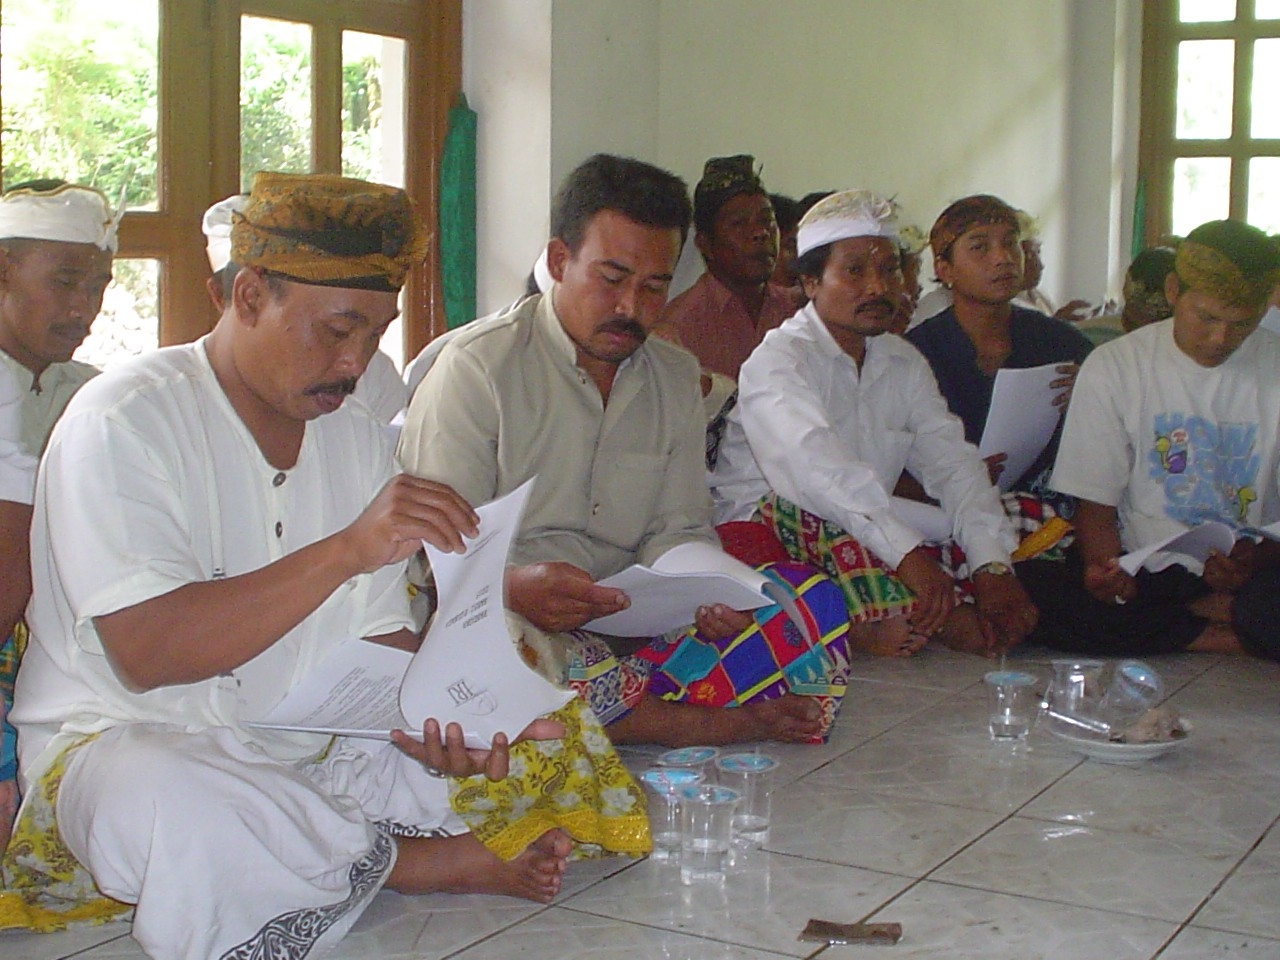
[327,230]
[847,214]
[724,178]
[962,216]
[1230,261]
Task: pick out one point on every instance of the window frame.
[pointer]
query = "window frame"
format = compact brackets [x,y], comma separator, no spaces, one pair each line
[198,135]
[1159,147]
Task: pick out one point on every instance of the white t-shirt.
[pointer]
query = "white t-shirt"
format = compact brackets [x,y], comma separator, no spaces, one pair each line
[834,440]
[1170,443]
[17,467]
[151,482]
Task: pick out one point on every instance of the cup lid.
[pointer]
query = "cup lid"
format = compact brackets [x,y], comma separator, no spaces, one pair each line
[709,793]
[688,756]
[1010,678]
[746,763]
[670,778]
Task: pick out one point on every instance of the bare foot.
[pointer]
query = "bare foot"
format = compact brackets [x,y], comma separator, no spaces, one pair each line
[1217,638]
[463,864]
[963,632]
[1216,607]
[886,638]
[789,718]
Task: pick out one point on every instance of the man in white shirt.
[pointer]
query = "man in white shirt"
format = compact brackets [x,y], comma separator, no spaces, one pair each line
[830,412]
[1172,425]
[211,519]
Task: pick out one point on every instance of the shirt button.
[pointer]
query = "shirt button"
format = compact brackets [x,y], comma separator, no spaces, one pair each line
[279,529]
[278,479]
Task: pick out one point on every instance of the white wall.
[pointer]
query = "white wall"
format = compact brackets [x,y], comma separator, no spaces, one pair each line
[928,99]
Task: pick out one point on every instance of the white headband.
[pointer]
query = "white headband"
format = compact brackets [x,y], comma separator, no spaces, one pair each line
[823,232]
[66,214]
[847,214]
[217,229]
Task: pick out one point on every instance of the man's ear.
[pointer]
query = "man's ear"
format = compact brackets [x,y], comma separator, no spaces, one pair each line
[7,263]
[1172,288]
[249,292]
[944,271]
[701,241]
[809,285]
[558,257]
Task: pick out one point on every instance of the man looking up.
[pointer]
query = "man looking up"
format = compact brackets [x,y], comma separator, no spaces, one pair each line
[1170,426]
[210,520]
[569,387]
[723,316]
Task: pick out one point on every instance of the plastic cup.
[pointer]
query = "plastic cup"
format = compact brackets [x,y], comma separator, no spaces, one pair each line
[706,832]
[751,774]
[1011,697]
[1134,689]
[662,785]
[698,759]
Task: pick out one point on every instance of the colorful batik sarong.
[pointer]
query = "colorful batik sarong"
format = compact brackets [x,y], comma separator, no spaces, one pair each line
[768,659]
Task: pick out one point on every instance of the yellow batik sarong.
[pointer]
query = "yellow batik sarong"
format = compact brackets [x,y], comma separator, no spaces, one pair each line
[577,783]
[45,888]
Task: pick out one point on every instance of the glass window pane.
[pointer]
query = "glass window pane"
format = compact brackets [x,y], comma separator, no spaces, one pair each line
[128,324]
[373,107]
[80,102]
[1201,191]
[1267,9]
[1265,105]
[1264,194]
[1205,83]
[1206,11]
[275,97]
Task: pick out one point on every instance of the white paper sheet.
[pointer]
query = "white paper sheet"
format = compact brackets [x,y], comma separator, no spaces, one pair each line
[1195,543]
[1021,419]
[467,671]
[932,523]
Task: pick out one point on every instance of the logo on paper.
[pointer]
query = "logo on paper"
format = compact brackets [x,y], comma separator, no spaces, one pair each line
[478,703]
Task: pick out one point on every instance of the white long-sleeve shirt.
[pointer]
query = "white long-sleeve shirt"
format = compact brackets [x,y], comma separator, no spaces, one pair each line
[834,440]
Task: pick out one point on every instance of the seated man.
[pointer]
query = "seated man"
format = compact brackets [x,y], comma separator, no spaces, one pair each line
[56,244]
[978,256]
[1172,425]
[380,387]
[722,317]
[830,412]
[569,387]
[1030,295]
[211,519]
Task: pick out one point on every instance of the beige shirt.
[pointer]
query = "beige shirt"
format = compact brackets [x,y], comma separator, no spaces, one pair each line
[617,484]
[40,409]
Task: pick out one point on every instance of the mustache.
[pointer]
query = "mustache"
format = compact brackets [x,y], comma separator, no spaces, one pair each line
[345,387]
[879,303]
[625,325]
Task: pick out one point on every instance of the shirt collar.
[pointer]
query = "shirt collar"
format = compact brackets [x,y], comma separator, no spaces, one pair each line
[549,324]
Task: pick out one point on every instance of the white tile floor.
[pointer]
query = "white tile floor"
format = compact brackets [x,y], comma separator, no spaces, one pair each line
[910,815]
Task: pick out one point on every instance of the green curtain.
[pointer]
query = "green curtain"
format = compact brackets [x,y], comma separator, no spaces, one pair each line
[458,216]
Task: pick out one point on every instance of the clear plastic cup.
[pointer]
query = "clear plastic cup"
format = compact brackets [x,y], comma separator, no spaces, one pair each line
[1134,689]
[1011,697]
[698,759]
[751,774]
[706,832]
[663,785]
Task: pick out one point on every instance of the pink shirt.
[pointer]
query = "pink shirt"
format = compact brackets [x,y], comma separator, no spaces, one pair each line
[715,327]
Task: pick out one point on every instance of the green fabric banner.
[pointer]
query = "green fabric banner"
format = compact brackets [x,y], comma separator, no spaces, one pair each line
[458,216]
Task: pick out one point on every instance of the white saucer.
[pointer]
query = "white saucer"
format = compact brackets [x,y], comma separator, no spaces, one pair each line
[1107,751]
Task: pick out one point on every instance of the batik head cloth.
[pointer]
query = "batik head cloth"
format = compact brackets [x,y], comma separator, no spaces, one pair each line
[847,214]
[64,212]
[1230,261]
[962,216]
[217,229]
[328,230]
[724,178]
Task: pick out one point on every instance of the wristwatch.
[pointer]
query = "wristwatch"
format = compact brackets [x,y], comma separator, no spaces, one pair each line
[995,568]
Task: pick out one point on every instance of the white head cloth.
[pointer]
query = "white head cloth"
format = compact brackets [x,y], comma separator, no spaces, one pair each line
[217,229]
[1028,226]
[65,214]
[849,213]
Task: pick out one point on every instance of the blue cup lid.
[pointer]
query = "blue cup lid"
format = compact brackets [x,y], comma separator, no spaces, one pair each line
[670,778]
[1010,678]
[709,793]
[688,756]
[746,763]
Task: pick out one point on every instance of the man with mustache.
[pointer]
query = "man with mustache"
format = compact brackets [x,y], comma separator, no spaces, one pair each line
[56,245]
[569,387]
[830,412]
[723,316]
[211,520]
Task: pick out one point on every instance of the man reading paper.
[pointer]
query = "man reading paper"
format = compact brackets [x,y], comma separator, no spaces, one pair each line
[210,520]
[569,387]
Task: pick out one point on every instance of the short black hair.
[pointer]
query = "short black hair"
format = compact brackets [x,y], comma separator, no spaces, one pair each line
[1151,266]
[786,212]
[639,191]
[812,263]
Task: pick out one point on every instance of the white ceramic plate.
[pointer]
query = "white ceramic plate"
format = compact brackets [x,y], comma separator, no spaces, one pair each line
[1105,751]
